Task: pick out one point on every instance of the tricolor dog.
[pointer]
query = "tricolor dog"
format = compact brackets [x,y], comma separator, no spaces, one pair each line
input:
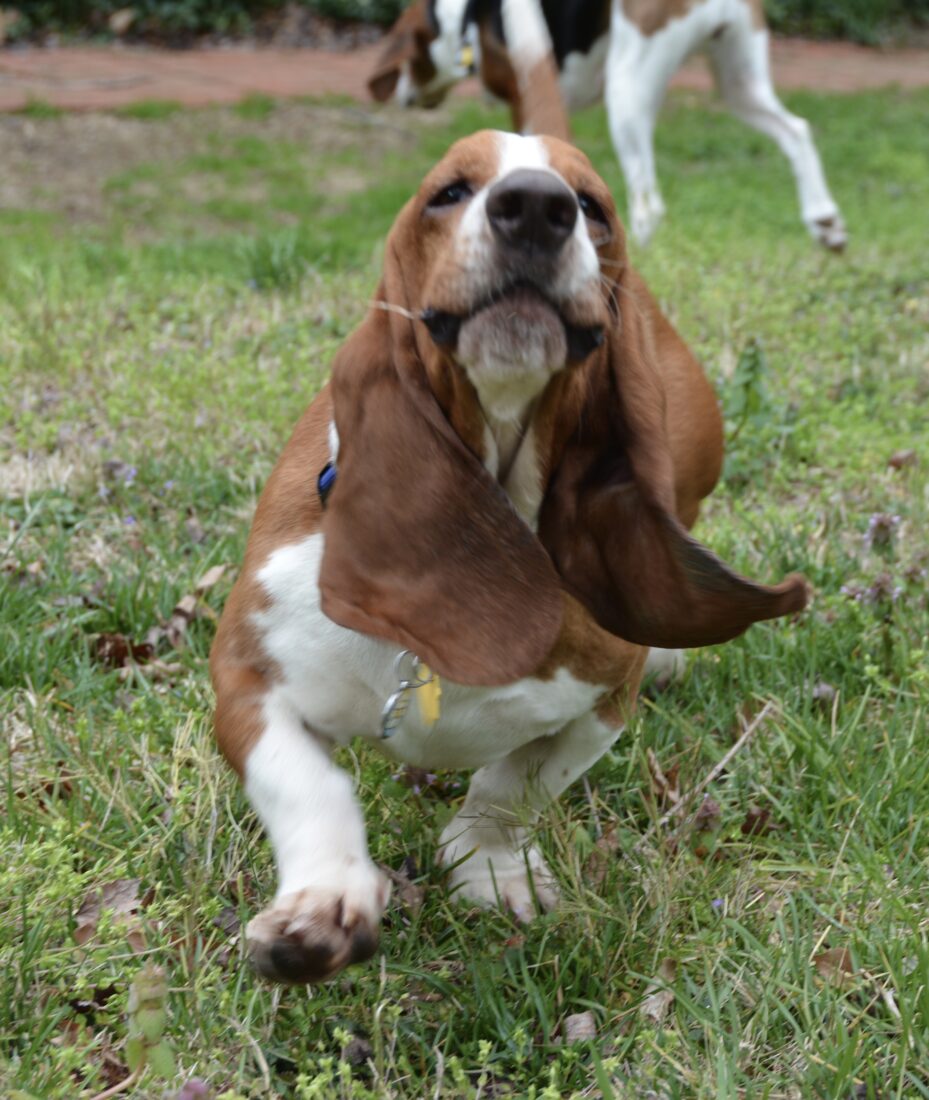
[623,52]
[476,531]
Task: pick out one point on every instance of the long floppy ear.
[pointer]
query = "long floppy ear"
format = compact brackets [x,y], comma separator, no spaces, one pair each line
[407,38]
[608,517]
[422,547]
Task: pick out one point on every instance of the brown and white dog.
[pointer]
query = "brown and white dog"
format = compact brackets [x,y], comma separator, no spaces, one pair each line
[622,51]
[498,480]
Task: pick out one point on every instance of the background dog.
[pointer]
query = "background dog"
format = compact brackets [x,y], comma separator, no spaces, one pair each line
[624,52]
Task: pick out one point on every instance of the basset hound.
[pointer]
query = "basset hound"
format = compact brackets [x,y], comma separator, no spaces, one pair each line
[473,536]
[622,51]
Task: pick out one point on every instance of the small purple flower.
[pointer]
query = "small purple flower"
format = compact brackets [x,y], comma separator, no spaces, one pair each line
[129,475]
[129,521]
[718,903]
[169,485]
[881,529]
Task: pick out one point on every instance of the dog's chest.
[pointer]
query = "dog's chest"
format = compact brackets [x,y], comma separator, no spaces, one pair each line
[339,681]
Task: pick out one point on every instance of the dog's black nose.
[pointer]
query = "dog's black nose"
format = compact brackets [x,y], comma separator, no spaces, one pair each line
[532,210]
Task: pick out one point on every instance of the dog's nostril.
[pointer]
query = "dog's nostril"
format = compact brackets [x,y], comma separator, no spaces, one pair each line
[531,209]
[562,212]
[510,206]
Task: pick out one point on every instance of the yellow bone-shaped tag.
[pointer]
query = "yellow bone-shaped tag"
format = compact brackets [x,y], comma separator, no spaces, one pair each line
[428,694]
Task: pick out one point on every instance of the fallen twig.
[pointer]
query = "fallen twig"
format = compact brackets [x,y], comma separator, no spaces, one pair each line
[687,798]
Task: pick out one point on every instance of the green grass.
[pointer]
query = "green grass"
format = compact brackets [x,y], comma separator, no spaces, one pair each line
[40,108]
[153,358]
[151,109]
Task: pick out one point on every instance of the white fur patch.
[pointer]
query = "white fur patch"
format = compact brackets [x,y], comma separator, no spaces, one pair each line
[582,75]
[526,33]
[337,681]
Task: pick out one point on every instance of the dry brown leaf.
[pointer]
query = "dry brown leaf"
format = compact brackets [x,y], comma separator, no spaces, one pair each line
[357,1051]
[665,785]
[835,965]
[603,854]
[173,631]
[660,998]
[900,460]
[155,669]
[211,577]
[410,894]
[194,529]
[708,816]
[122,899]
[117,651]
[579,1028]
[757,822]
[823,695]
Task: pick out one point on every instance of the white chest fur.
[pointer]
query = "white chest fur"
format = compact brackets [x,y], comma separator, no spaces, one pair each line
[338,680]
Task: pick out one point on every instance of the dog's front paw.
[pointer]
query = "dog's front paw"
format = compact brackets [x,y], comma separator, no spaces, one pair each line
[518,880]
[830,232]
[311,934]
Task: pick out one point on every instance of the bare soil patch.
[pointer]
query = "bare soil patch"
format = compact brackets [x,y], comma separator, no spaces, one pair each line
[61,165]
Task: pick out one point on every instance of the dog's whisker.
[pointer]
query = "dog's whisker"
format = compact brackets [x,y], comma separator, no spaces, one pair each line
[391,307]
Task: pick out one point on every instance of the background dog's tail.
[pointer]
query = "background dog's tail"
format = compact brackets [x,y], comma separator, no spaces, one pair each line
[529,45]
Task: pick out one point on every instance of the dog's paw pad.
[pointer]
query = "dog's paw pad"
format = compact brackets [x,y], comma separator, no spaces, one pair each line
[310,935]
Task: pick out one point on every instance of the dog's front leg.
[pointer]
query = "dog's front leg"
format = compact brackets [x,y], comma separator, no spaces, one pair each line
[485,842]
[330,895]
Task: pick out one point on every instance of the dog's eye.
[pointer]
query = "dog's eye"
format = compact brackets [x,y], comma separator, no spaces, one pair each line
[591,208]
[452,195]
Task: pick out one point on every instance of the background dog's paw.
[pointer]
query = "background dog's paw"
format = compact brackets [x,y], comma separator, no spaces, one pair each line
[830,232]
[519,881]
[311,934]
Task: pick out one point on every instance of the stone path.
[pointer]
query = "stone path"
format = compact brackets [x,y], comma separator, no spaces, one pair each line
[79,78]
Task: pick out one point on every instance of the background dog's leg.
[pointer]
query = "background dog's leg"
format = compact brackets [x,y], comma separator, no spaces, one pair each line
[632,107]
[741,63]
[639,68]
[502,801]
[330,894]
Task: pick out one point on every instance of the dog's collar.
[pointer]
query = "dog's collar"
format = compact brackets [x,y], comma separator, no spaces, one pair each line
[325,481]
[413,675]
[466,58]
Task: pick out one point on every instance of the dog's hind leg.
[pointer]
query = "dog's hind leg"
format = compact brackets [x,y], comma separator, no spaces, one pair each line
[330,895]
[485,843]
[741,63]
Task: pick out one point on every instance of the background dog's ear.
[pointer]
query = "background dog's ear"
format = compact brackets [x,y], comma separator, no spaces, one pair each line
[608,517]
[407,39]
[422,547]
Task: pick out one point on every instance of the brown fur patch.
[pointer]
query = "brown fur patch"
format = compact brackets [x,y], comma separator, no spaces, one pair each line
[651,16]
[289,510]
[407,42]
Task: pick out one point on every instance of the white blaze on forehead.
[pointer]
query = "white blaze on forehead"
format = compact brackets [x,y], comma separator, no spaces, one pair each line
[521,151]
[476,247]
[513,151]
